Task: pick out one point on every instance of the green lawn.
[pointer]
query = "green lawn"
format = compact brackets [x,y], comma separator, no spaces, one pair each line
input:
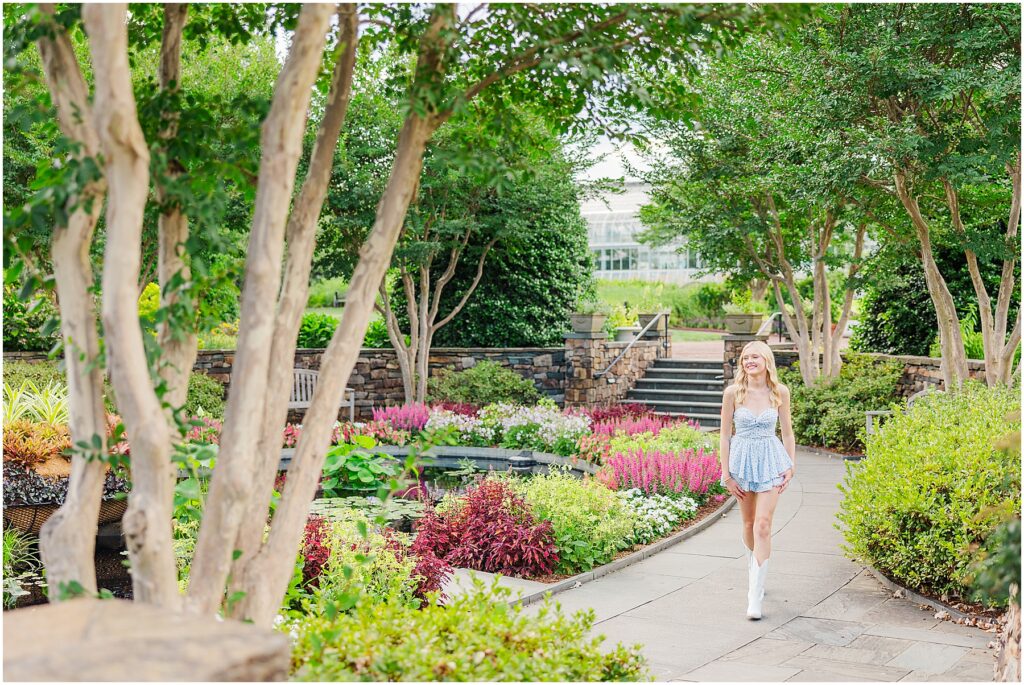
[332,311]
[694,336]
[660,295]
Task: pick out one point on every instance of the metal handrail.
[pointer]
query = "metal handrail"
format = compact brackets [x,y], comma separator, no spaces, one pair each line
[767,325]
[639,336]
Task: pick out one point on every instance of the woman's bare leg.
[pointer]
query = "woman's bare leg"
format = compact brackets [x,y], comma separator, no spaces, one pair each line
[764,512]
[748,508]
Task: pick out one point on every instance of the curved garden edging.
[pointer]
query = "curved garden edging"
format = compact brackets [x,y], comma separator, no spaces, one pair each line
[893,586]
[628,560]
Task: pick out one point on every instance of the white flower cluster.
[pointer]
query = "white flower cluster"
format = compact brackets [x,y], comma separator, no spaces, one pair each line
[468,428]
[656,515]
[550,423]
[544,424]
[287,625]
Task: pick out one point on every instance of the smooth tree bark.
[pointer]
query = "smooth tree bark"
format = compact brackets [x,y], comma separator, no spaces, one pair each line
[67,540]
[999,348]
[178,344]
[951,342]
[423,311]
[266,578]
[126,158]
[816,340]
[232,483]
[301,237]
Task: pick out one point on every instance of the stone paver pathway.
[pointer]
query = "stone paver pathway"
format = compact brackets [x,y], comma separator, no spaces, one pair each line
[825,618]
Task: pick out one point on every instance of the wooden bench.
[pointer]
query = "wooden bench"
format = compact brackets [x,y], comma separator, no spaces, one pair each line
[303,384]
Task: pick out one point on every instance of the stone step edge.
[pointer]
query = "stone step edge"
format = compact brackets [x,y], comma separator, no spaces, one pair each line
[670,403]
[629,560]
[670,395]
[676,390]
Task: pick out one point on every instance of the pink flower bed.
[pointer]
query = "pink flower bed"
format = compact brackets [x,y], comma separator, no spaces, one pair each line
[409,417]
[690,471]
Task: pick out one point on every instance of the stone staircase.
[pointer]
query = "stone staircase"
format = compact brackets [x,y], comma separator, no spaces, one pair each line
[675,387]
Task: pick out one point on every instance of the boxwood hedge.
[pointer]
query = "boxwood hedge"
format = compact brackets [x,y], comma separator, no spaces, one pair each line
[932,486]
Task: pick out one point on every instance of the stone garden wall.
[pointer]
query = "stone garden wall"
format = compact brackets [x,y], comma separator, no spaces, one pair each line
[918,372]
[377,380]
[565,374]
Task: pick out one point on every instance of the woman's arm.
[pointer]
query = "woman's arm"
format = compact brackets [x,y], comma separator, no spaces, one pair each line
[788,440]
[724,437]
[786,421]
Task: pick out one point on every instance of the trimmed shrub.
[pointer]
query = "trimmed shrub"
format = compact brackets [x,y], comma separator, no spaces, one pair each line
[316,330]
[377,335]
[485,383]
[932,486]
[832,415]
[205,397]
[24,329]
[39,373]
[590,523]
[476,637]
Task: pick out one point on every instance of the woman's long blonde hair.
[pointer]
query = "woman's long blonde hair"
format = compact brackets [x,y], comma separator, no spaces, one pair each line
[740,381]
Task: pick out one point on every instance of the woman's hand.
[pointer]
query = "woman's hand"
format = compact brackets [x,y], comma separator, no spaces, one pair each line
[786,477]
[734,489]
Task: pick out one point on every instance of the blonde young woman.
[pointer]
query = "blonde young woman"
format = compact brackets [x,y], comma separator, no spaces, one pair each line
[756,466]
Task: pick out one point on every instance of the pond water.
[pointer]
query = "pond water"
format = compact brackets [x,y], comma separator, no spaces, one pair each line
[408,503]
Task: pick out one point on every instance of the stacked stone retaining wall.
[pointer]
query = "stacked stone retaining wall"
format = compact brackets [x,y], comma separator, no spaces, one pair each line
[918,372]
[377,380]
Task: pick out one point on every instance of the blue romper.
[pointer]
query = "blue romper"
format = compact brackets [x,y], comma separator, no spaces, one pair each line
[757,458]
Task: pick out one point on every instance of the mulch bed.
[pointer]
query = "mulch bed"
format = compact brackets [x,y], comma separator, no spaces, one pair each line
[701,513]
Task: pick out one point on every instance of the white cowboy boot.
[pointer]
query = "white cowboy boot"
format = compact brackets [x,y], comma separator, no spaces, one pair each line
[755,590]
[750,553]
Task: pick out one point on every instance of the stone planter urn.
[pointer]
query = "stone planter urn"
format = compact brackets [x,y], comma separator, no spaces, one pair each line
[743,324]
[626,333]
[645,319]
[587,323]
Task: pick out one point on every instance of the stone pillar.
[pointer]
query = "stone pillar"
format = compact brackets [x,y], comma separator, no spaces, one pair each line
[582,356]
[733,346]
[587,356]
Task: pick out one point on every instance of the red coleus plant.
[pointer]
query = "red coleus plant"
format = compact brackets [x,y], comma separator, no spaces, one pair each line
[492,531]
[315,549]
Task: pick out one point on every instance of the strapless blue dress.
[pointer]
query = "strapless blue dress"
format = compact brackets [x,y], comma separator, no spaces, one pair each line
[757,458]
